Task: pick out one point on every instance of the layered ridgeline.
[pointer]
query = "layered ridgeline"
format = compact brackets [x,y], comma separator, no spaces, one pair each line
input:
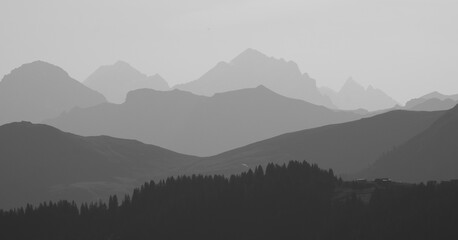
[199,125]
[252,68]
[346,148]
[115,81]
[434,101]
[40,163]
[354,96]
[39,90]
[430,155]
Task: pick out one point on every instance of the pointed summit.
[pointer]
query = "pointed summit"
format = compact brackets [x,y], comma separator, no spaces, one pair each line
[353,96]
[252,68]
[248,56]
[352,87]
[121,63]
[116,80]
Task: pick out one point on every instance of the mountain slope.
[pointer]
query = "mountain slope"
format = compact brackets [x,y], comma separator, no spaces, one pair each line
[433,104]
[39,162]
[431,155]
[252,68]
[434,101]
[354,96]
[115,81]
[199,125]
[346,147]
[39,90]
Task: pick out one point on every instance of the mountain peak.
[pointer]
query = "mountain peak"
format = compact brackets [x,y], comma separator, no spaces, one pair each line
[36,72]
[38,65]
[262,87]
[116,80]
[434,94]
[353,96]
[121,62]
[351,85]
[124,66]
[38,62]
[249,55]
[39,90]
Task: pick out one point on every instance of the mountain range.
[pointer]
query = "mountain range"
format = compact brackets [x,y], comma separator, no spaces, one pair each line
[40,162]
[251,111]
[199,125]
[346,147]
[39,90]
[115,81]
[434,101]
[252,68]
[354,96]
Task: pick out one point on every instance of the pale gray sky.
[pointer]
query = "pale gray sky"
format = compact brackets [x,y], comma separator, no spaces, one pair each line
[404,47]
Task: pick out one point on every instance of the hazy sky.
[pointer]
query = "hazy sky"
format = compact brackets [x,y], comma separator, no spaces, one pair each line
[404,47]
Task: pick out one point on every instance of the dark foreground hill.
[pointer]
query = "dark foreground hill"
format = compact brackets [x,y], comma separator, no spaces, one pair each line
[39,90]
[294,201]
[430,155]
[39,162]
[198,125]
[346,147]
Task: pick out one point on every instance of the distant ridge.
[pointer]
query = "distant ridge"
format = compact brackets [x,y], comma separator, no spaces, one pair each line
[252,68]
[354,96]
[175,119]
[433,101]
[116,80]
[346,147]
[39,90]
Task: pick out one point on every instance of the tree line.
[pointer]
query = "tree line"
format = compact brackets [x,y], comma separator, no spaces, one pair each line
[290,201]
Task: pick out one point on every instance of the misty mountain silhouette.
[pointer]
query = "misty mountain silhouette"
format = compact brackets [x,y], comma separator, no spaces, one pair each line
[199,125]
[346,147]
[252,68]
[434,101]
[115,81]
[39,90]
[39,162]
[431,155]
[354,96]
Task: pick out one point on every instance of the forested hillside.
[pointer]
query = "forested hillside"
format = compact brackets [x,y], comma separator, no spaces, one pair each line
[294,201]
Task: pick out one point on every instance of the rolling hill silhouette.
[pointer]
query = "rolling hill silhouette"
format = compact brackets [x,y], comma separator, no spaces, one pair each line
[430,155]
[346,147]
[354,96]
[115,81]
[39,90]
[434,101]
[252,68]
[199,125]
[39,163]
